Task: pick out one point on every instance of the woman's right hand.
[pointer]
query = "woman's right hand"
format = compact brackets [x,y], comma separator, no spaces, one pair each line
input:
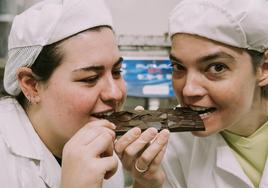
[88,156]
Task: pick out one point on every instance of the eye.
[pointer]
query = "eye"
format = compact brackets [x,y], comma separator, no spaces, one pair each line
[117,73]
[176,67]
[91,80]
[217,68]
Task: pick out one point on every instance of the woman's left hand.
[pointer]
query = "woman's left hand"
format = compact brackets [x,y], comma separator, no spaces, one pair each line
[141,154]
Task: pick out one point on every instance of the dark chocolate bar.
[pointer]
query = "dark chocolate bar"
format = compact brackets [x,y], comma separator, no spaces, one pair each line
[175,120]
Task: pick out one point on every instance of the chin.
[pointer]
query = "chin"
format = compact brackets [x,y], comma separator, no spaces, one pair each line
[203,133]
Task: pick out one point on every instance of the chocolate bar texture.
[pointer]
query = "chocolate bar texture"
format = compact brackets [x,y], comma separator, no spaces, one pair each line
[175,120]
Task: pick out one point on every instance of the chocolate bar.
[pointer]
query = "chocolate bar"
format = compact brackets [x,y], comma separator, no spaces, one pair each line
[175,120]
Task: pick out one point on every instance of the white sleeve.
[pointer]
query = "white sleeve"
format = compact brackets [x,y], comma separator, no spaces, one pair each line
[177,159]
[7,173]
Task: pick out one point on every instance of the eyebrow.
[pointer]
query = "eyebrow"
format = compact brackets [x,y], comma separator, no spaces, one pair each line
[206,58]
[97,68]
[173,58]
[119,61]
[216,55]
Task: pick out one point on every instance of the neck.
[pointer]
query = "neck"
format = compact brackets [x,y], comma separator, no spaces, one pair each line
[42,128]
[253,121]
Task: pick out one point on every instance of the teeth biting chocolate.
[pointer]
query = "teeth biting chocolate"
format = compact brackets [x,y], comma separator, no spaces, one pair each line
[175,120]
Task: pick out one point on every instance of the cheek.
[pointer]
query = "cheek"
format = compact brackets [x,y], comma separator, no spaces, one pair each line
[234,102]
[71,100]
[177,87]
[81,102]
[121,93]
[123,89]
[238,94]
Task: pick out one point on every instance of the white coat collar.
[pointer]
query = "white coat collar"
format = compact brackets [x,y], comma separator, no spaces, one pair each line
[225,156]
[264,178]
[23,141]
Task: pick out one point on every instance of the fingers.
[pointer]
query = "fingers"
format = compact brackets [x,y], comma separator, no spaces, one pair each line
[94,140]
[145,138]
[102,144]
[91,130]
[142,153]
[155,147]
[130,146]
[128,138]
[90,147]
[147,151]
[140,144]
[154,152]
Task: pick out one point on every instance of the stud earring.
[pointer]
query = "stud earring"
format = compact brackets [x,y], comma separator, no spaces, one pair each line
[34,99]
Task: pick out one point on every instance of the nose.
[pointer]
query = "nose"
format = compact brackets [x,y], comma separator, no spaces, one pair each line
[194,86]
[113,91]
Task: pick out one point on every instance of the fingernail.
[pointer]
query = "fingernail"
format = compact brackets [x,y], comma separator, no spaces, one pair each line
[136,131]
[163,137]
[152,132]
[113,126]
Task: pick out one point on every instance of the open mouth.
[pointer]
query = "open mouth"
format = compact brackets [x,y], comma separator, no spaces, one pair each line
[203,111]
[102,115]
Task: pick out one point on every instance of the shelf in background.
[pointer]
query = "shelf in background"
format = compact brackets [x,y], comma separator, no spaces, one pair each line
[2,63]
[1,81]
[6,17]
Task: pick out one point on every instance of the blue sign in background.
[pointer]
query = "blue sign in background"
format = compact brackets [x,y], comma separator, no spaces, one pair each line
[148,78]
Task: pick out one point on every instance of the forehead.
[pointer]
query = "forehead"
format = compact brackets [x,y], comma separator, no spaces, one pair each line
[94,46]
[90,38]
[192,46]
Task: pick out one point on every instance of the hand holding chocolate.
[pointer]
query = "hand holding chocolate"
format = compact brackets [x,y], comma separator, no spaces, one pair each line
[175,120]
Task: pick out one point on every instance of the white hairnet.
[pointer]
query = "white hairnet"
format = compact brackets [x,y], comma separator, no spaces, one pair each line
[239,23]
[45,23]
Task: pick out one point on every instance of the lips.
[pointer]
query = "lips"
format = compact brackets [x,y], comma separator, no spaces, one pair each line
[203,110]
[103,114]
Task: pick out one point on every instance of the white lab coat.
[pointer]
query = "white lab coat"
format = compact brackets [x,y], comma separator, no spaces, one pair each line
[193,162]
[25,161]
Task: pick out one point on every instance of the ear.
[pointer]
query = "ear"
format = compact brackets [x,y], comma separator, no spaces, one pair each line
[28,84]
[263,73]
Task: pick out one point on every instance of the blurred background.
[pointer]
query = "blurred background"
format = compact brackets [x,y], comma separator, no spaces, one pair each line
[142,30]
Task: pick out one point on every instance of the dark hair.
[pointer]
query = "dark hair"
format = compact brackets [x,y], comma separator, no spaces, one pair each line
[48,60]
[257,59]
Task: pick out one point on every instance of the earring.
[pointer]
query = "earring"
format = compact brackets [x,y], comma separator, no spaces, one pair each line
[32,99]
